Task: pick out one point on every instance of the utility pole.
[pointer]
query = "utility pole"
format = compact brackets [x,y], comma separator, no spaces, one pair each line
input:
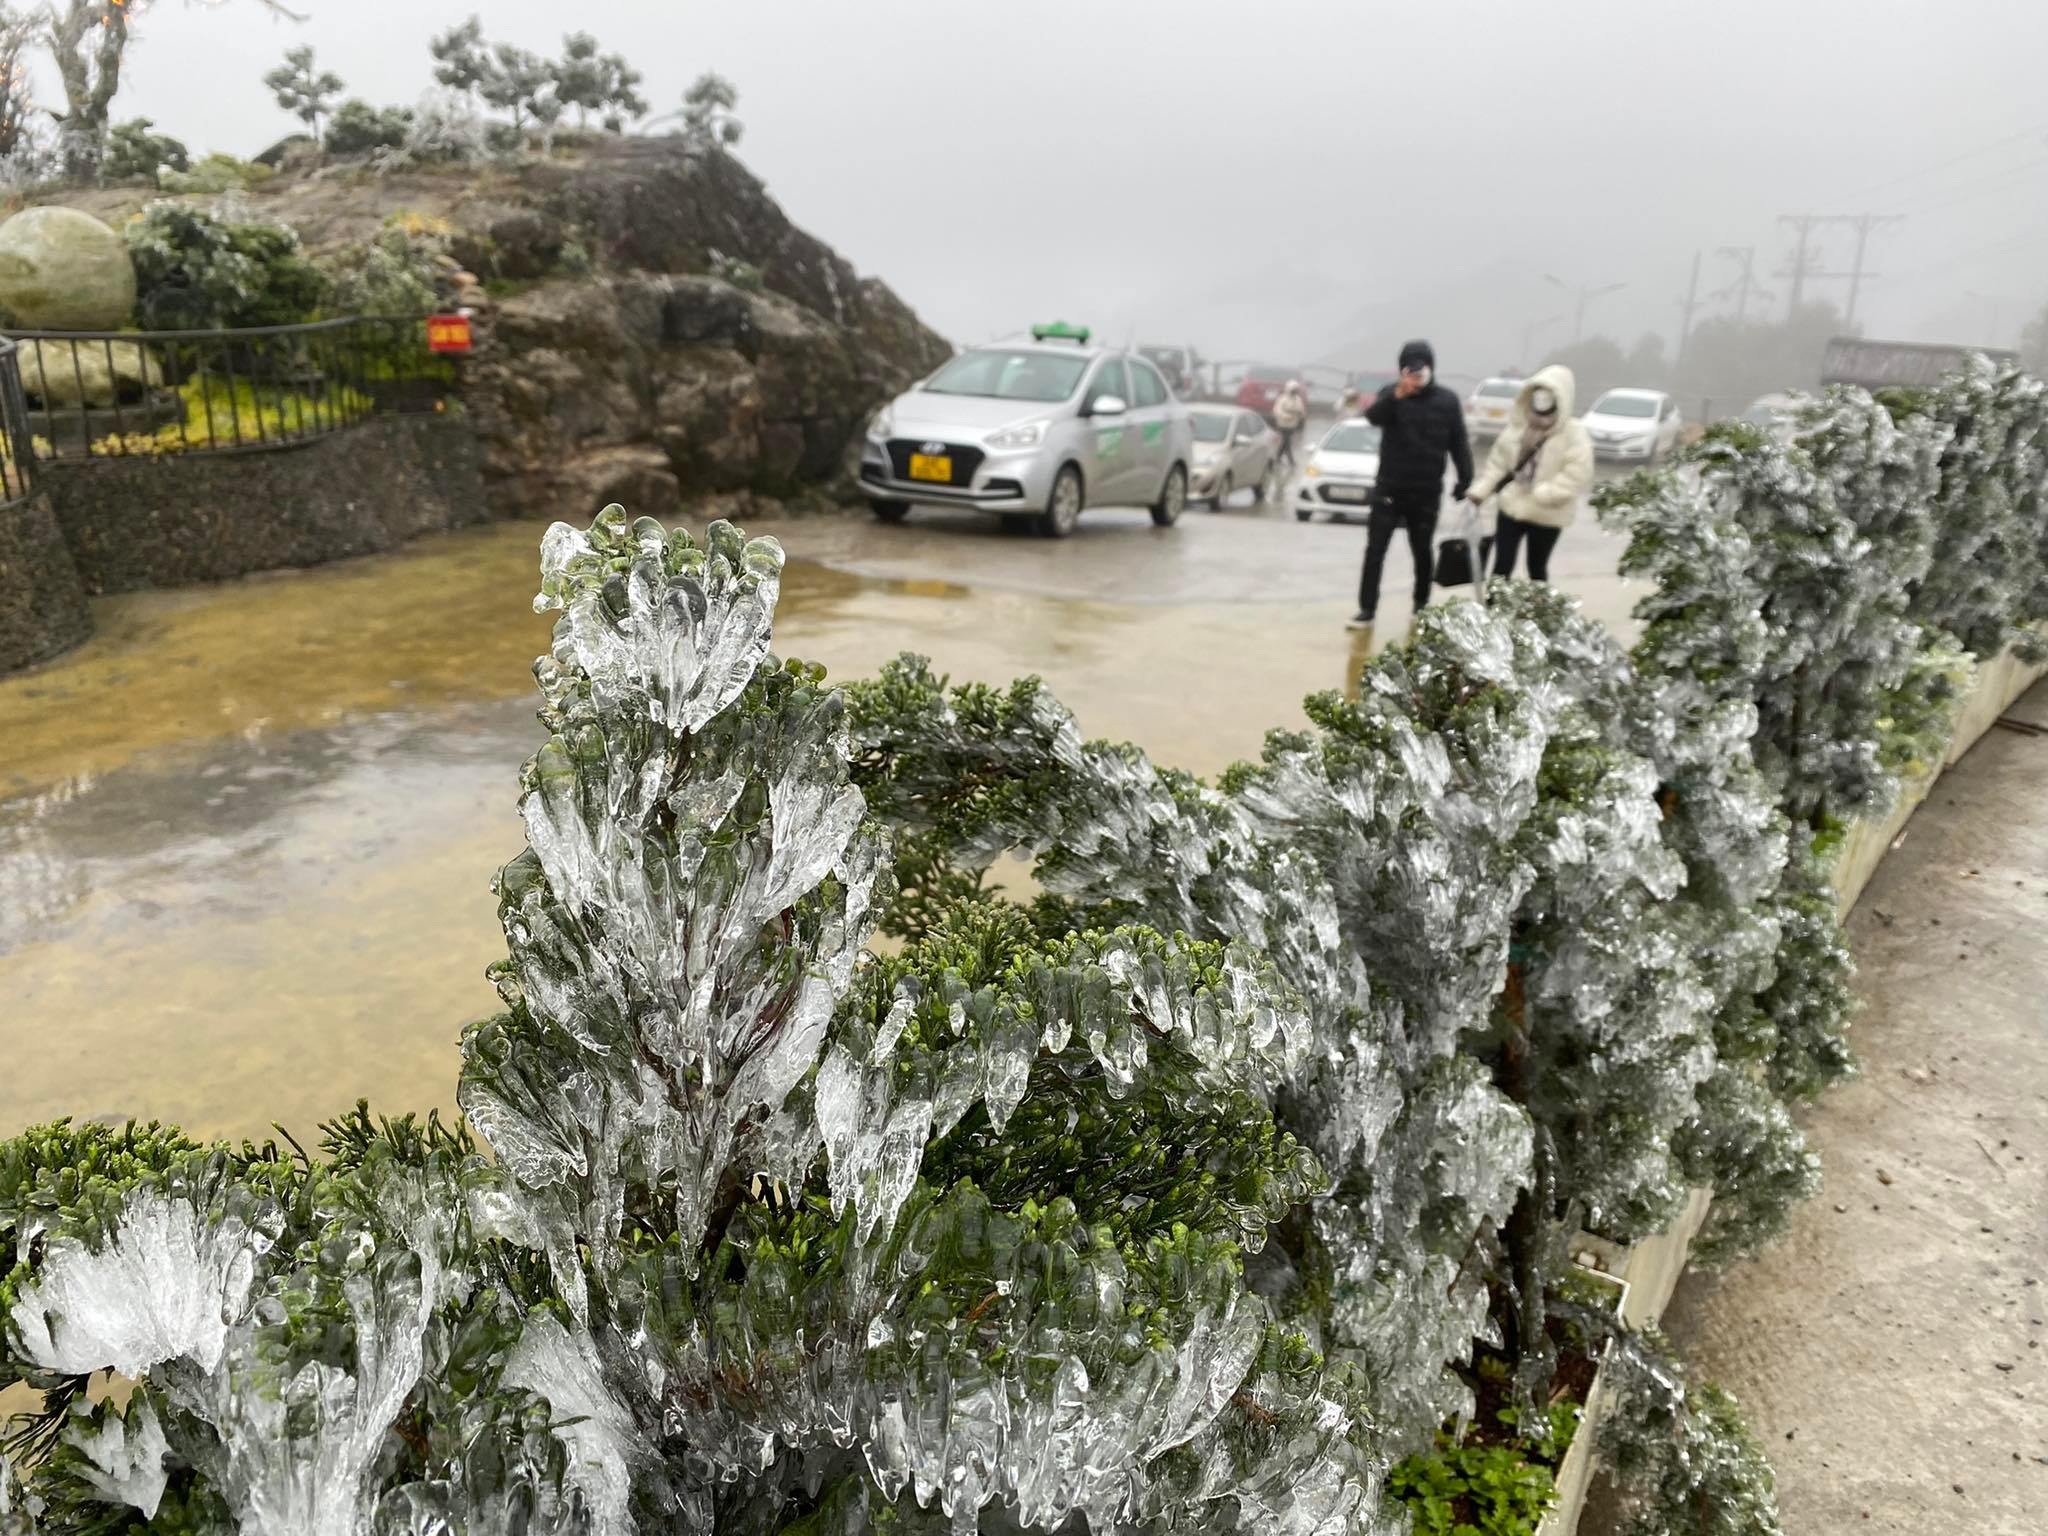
[1685,313]
[1745,257]
[1864,223]
[1800,266]
[1803,265]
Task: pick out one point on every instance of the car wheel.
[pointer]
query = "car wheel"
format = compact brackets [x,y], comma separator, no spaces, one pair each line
[890,511]
[1173,497]
[1223,494]
[1063,507]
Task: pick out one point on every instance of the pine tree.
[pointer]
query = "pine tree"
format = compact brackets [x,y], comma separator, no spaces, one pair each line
[707,113]
[462,58]
[518,83]
[580,77]
[303,90]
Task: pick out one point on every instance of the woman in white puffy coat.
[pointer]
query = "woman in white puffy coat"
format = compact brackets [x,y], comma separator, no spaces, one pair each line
[1542,468]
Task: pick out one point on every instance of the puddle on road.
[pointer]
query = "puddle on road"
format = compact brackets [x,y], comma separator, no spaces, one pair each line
[247,832]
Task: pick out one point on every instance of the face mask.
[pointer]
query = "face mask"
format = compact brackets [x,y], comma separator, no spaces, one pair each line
[1542,404]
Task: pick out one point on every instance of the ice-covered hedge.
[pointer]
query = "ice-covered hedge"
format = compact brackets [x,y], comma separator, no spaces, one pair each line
[1170,1200]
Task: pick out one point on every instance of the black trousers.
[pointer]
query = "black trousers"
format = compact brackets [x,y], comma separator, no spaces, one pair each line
[1416,512]
[1507,538]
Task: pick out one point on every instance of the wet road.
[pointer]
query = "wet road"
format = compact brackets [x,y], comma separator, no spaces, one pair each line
[247,832]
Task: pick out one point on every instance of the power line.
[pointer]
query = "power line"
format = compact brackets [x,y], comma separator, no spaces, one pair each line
[2038,132]
[1969,191]
[1990,248]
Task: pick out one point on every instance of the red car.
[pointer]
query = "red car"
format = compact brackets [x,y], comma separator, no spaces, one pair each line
[1261,387]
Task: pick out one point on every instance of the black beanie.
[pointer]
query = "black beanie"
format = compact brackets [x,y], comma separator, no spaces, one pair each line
[1418,354]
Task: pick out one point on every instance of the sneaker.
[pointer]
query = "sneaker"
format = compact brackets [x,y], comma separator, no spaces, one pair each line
[1360,620]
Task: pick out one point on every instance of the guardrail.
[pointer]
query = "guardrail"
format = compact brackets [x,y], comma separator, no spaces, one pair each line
[107,394]
[17,450]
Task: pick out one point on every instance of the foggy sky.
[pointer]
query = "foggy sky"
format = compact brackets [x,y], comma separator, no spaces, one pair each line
[1295,178]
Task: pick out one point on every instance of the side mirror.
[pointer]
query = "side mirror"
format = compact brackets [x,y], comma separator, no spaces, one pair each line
[1108,405]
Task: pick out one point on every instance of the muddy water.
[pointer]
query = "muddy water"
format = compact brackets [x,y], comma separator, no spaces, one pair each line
[247,832]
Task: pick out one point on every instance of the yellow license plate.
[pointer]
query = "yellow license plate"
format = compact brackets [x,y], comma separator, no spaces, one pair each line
[931,466]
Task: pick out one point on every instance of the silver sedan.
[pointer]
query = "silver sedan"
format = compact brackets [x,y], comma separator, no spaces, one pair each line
[1044,429]
[1233,448]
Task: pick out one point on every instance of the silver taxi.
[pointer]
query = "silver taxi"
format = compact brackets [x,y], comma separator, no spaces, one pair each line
[1044,428]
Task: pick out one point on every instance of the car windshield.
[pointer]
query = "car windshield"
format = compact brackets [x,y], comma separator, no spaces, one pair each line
[1500,389]
[1211,427]
[1353,437]
[1001,375]
[1626,405]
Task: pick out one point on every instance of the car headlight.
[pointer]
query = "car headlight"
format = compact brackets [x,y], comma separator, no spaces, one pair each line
[1026,434]
[882,423]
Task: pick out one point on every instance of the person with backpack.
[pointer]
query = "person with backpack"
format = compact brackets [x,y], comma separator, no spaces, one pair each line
[1422,424]
[1541,467]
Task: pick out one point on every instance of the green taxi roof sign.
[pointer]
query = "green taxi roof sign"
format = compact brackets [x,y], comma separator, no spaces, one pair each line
[1059,330]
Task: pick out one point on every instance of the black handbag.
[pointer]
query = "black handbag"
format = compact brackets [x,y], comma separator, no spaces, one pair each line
[1454,560]
[1454,556]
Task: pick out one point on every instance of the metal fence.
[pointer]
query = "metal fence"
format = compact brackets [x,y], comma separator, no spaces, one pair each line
[17,451]
[105,394]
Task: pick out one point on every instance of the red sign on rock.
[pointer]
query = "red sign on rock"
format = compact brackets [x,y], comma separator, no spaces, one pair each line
[448,333]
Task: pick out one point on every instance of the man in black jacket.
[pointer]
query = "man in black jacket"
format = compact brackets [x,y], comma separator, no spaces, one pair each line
[1421,423]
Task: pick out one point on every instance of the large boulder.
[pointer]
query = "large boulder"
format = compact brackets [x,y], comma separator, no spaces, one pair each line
[733,391]
[87,373]
[63,270]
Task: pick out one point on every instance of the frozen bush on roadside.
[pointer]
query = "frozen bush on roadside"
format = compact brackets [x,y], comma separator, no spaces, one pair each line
[1169,1202]
[774,1230]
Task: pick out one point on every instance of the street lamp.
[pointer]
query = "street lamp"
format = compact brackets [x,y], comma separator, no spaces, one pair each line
[1584,296]
[1530,332]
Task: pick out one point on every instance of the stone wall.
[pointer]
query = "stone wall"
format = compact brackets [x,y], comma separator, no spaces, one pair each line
[171,522]
[42,605]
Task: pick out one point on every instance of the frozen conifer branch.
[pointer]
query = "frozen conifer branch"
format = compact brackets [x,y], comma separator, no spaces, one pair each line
[774,1228]
[1171,1202]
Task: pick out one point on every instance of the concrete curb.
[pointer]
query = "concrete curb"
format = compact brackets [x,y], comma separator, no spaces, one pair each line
[1651,1269]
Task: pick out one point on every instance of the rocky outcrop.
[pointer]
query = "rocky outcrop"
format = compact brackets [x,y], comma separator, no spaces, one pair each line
[670,386]
[713,349]
[651,327]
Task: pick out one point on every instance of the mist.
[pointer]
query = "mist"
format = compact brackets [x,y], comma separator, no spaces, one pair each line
[1301,181]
